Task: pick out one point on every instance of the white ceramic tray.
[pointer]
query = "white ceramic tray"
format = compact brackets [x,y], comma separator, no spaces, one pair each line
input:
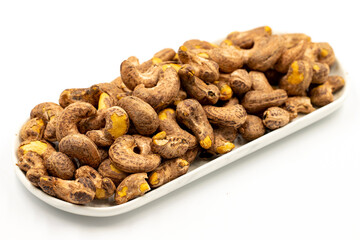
[199,168]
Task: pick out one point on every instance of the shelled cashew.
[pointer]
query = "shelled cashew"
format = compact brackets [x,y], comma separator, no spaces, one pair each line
[118,140]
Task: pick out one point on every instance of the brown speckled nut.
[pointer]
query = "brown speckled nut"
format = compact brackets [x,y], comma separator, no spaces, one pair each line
[124,158]
[81,147]
[61,166]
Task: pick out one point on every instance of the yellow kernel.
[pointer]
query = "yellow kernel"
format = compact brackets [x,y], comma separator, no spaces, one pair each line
[316,67]
[295,77]
[176,57]
[197,46]
[114,169]
[156,60]
[183,48]
[44,178]
[154,179]
[119,125]
[173,65]
[102,101]
[163,113]
[227,147]
[183,162]
[214,45]
[100,193]
[206,142]
[203,55]
[228,42]
[324,52]
[159,136]
[144,187]
[122,192]
[268,29]
[38,126]
[35,146]
[226,92]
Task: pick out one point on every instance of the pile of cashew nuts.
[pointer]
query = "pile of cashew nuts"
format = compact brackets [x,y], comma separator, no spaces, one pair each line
[120,139]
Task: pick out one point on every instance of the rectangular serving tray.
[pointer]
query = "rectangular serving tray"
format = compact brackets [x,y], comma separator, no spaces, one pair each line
[198,169]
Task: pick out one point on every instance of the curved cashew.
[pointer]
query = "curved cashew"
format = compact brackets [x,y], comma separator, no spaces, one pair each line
[206,70]
[163,93]
[196,88]
[117,124]
[108,170]
[125,159]
[192,115]
[82,148]
[168,171]
[133,186]
[61,166]
[230,116]
[141,114]
[72,114]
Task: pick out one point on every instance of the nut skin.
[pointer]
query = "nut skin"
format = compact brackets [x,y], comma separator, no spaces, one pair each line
[120,84]
[169,125]
[323,94]
[116,124]
[49,113]
[196,88]
[45,111]
[298,79]
[89,95]
[225,90]
[257,101]
[224,138]
[32,164]
[92,123]
[252,128]
[320,72]
[259,82]
[108,170]
[169,146]
[82,148]
[198,44]
[275,117]
[295,46]
[205,69]
[132,76]
[168,171]
[61,166]
[133,186]
[105,188]
[33,129]
[240,82]
[265,53]
[228,58]
[79,191]
[141,114]
[41,147]
[229,116]
[72,114]
[246,39]
[320,52]
[124,158]
[191,154]
[164,55]
[163,93]
[295,105]
[192,115]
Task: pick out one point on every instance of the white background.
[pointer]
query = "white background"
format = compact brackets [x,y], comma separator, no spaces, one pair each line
[306,186]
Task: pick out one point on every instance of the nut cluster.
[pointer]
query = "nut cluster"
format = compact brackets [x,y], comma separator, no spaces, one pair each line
[120,139]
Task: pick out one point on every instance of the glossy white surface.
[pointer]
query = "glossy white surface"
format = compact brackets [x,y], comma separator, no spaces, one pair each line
[304,186]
